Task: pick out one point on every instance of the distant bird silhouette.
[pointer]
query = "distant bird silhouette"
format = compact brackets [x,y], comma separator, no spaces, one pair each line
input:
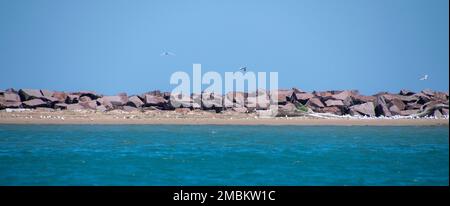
[425,77]
[243,69]
[167,53]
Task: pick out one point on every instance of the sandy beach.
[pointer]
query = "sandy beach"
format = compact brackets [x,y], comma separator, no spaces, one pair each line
[192,118]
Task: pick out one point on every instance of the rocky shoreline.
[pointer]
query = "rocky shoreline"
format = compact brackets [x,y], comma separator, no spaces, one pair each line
[290,103]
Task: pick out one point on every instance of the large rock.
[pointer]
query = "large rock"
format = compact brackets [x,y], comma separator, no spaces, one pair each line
[366,109]
[399,103]
[284,96]
[33,103]
[303,97]
[61,96]
[89,104]
[409,112]
[114,101]
[325,95]
[428,92]
[153,100]
[395,110]
[11,97]
[315,102]
[235,99]
[345,97]
[445,111]
[333,110]
[85,99]
[406,92]
[72,99]
[28,94]
[135,101]
[381,108]
[332,102]
[413,105]
[440,96]
[91,94]
[211,100]
[437,113]
[360,99]
[47,93]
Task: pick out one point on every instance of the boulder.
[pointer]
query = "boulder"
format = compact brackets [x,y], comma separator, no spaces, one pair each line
[135,101]
[28,94]
[47,93]
[445,111]
[399,103]
[440,96]
[345,97]
[124,96]
[406,92]
[91,94]
[85,99]
[61,96]
[333,110]
[412,106]
[428,92]
[89,104]
[315,102]
[381,108]
[153,100]
[407,99]
[437,114]
[331,103]
[101,108]
[422,98]
[325,95]
[11,97]
[360,99]
[395,110]
[366,109]
[115,101]
[72,99]
[33,103]
[284,96]
[303,97]
[234,99]
[211,100]
[409,112]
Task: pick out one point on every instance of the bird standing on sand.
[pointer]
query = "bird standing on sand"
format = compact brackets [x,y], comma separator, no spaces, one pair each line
[425,77]
[167,53]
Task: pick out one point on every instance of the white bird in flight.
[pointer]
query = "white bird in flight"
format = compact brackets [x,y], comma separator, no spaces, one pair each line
[167,53]
[425,77]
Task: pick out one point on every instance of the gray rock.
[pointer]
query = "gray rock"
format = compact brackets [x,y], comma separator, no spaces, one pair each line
[428,92]
[360,99]
[409,112]
[115,101]
[366,109]
[135,101]
[303,97]
[399,103]
[395,110]
[437,113]
[211,101]
[101,108]
[333,110]
[72,99]
[381,108]
[47,93]
[89,104]
[28,94]
[406,92]
[331,103]
[445,111]
[315,102]
[11,97]
[129,108]
[33,103]
[85,99]
[61,96]
[152,100]
[413,105]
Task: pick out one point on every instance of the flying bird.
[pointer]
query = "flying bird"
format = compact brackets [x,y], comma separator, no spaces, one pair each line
[167,53]
[425,77]
[243,69]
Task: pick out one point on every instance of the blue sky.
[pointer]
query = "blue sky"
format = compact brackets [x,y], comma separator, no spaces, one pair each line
[114,46]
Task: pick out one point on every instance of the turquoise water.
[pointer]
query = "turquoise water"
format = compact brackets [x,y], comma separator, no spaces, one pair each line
[223,155]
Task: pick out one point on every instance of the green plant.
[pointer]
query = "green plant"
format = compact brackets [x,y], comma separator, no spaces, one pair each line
[301,108]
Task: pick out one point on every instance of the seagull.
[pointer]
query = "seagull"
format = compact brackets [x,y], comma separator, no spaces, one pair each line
[244,69]
[425,77]
[167,53]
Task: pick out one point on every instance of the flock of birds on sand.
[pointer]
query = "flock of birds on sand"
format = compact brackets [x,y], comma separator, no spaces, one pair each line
[244,68]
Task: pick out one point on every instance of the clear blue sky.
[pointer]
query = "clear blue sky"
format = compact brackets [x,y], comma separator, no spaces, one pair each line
[114,45]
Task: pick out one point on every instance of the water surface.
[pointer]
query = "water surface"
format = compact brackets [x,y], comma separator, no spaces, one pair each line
[223,155]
